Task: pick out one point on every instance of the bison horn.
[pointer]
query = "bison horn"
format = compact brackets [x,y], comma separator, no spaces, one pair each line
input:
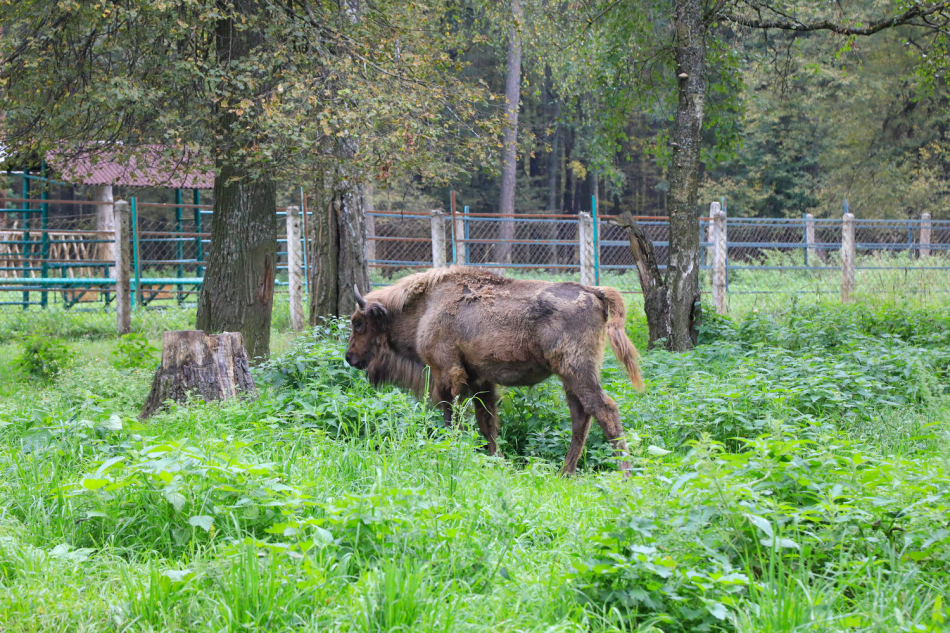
[360,301]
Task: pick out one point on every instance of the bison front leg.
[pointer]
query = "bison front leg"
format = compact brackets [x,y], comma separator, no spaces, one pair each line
[486,415]
[580,427]
[447,386]
[595,402]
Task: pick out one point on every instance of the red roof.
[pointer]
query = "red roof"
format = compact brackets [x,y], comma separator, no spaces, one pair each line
[145,166]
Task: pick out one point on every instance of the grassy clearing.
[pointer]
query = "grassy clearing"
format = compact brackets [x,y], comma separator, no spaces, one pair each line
[792,474]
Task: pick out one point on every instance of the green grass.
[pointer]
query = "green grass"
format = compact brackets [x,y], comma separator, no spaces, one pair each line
[791,474]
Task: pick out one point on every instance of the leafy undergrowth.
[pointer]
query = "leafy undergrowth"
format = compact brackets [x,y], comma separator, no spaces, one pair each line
[790,474]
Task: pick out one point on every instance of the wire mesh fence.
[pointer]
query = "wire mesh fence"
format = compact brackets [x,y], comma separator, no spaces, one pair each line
[57,259]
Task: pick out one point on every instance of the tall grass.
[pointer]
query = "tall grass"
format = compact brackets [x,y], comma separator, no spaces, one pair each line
[790,474]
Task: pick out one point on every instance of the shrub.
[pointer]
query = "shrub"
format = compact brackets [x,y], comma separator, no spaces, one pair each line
[133,351]
[42,356]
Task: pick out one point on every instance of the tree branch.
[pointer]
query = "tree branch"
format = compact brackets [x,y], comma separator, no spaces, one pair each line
[792,24]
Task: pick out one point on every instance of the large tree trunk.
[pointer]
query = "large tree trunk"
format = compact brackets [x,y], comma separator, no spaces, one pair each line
[506,205]
[213,367]
[683,270]
[238,290]
[338,257]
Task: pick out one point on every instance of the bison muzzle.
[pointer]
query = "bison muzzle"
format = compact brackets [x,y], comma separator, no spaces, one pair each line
[476,330]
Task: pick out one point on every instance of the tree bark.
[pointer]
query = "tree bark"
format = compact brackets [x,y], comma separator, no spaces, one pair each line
[683,270]
[506,205]
[238,290]
[324,245]
[338,258]
[656,297]
[214,367]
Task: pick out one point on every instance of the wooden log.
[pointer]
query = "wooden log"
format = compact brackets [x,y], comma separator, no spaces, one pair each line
[585,238]
[847,257]
[438,239]
[215,367]
[295,269]
[720,258]
[123,267]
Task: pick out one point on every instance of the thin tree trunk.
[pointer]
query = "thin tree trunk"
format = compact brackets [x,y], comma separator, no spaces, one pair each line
[324,245]
[352,269]
[338,254]
[656,296]
[683,270]
[238,290]
[506,204]
[553,108]
[105,221]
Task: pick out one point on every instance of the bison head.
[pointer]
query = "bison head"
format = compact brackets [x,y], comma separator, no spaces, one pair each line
[368,337]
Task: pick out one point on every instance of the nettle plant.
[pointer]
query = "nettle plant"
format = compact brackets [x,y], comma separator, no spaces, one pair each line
[133,351]
[43,356]
[814,501]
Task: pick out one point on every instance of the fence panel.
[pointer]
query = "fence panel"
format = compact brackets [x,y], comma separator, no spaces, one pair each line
[57,259]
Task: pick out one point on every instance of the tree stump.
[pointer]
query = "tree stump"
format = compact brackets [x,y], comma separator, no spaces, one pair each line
[213,366]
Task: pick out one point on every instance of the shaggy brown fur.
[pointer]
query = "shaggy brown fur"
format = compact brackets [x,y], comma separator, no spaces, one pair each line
[475,330]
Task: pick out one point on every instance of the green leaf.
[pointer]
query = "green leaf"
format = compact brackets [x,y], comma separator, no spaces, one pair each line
[761,523]
[178,575]
[176,499]
[203,521]
[91,483]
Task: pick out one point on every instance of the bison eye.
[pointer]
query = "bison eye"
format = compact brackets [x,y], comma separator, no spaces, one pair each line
[358,326]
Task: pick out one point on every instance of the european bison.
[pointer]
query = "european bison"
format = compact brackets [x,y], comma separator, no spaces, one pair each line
[475,330]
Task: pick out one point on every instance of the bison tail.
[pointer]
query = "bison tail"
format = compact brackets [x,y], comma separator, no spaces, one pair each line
[624,350]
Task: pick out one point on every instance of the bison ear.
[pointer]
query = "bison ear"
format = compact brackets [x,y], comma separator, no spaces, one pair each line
[378,311]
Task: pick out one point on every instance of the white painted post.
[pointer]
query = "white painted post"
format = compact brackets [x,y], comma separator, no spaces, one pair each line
[370,235]
[295,269]
[122,222]
[925,229]
[810,239]
[720,254]
[847,257]
[438,239]
[585,236]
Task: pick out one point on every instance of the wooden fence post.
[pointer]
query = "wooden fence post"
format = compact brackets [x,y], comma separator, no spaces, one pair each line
[811,253]
[847,257]
[294,269]
[370,238]
[925,229]
[720,256]
[585,236]
[438,239]
[123,266]
[461,243]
